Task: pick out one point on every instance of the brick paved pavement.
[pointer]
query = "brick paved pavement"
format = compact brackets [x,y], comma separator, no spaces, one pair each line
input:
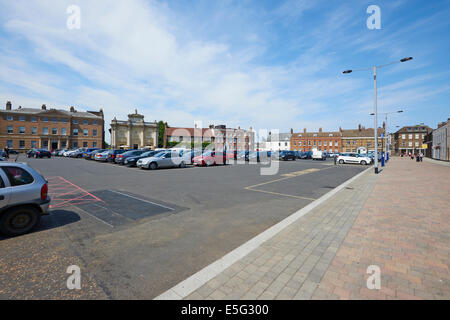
[404,229]
[398,220]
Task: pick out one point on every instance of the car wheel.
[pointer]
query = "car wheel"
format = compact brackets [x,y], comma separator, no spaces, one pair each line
[153,166]
[36,156]
[49,156]
[182,164]
[341,161]
[363,162]
[18,221]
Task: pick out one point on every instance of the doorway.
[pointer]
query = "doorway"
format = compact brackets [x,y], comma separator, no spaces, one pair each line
[54,145]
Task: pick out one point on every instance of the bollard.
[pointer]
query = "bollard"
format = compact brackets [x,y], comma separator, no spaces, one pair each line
[382,160]
[335,160]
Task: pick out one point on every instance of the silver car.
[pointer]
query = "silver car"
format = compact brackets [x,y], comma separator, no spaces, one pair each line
[23,198]
[101,156]
[168,159]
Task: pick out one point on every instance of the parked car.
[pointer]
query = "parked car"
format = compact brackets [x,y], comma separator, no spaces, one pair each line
[131,161]
[39,153]
[353,158]
[23,198]
[67,153]
[55,152]
[165,159]
[77,153]
[211,158]
[88,153]
[120,158]
[112,154]
[319,155]
[101,156]
[284,155]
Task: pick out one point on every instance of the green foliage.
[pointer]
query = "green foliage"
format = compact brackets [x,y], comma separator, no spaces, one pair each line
[161,128]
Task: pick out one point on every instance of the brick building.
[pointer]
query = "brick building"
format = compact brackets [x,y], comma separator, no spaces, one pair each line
[25,128]
[323,141]
[361,139]
[411,139]
[220,136]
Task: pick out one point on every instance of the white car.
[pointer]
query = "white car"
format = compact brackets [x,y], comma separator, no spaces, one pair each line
[319,155]
[164,159]
[68,152]
[353,158]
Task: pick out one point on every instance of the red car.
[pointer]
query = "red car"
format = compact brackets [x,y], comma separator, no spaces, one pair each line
[212,158]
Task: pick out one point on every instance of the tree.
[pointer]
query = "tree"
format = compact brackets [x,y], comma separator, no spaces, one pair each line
[161,128]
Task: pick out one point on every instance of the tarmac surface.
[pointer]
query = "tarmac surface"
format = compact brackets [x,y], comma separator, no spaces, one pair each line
[136,233]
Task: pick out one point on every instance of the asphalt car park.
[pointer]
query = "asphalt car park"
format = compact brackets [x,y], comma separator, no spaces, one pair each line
[135,234]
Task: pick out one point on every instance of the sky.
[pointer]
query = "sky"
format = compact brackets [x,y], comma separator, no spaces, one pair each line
[261,64]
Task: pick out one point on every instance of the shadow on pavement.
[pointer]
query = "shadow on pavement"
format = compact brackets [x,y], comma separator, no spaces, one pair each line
[56,219]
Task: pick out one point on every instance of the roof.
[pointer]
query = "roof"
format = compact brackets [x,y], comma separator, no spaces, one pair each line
[413,128]
[359,133]
[281,137]
[39,111]
[204,131]
[316,134]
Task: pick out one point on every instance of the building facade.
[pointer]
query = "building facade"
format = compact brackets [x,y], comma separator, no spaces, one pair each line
[441,141]
[320,140]
[279,142]
[134,133]
[220,138]
[410,139]
[361,140]
[47,128]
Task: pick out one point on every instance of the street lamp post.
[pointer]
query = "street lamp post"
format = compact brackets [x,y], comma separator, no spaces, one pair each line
[374,68]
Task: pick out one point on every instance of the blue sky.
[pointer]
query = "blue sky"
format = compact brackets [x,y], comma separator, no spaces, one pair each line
[265,64]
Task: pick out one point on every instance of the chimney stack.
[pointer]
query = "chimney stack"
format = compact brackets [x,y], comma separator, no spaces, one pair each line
[384,125]
[320,129]
[304,130]
[359,127]
[8,105]
[340,129]
[72,109]
[292,131]
[44,107]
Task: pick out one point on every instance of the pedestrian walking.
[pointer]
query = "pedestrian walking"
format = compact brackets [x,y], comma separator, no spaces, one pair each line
[421,156]
[412,156]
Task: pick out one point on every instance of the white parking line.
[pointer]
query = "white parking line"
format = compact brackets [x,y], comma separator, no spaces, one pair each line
[156,204]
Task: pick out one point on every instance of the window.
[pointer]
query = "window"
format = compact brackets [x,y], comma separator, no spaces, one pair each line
[75,121]
[410,144]
[9,118]
[22,144]
[85,144]
[409,136]
[94,144]
[94,132]
[33,144]
[75,132]
[22,130]
[17,176]
[9,143]
[75,144]
[55,120]
[417,136]
[54,130]
[21,118]
[85,132]
[10,129]
[45,144]
[64,120]
[85,122]
[417,144]
[45,119]
[325,143]
[44,130]
[320,143]
[403,136]
[63,144]
[299,143]
[33,119]
[63,131]
[94,123]
[33,130]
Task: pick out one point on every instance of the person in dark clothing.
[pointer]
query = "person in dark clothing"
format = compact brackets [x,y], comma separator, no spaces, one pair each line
[6,152]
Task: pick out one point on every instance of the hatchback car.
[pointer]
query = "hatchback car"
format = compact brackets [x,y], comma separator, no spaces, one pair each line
[284,155]
[120,158]
[23,198]
[163,159]
[353,158]
[131,161]
[112,154]
[212,158]
[39,153]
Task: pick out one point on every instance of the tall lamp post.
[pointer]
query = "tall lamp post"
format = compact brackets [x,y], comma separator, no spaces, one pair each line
[385,131]
[374,68]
